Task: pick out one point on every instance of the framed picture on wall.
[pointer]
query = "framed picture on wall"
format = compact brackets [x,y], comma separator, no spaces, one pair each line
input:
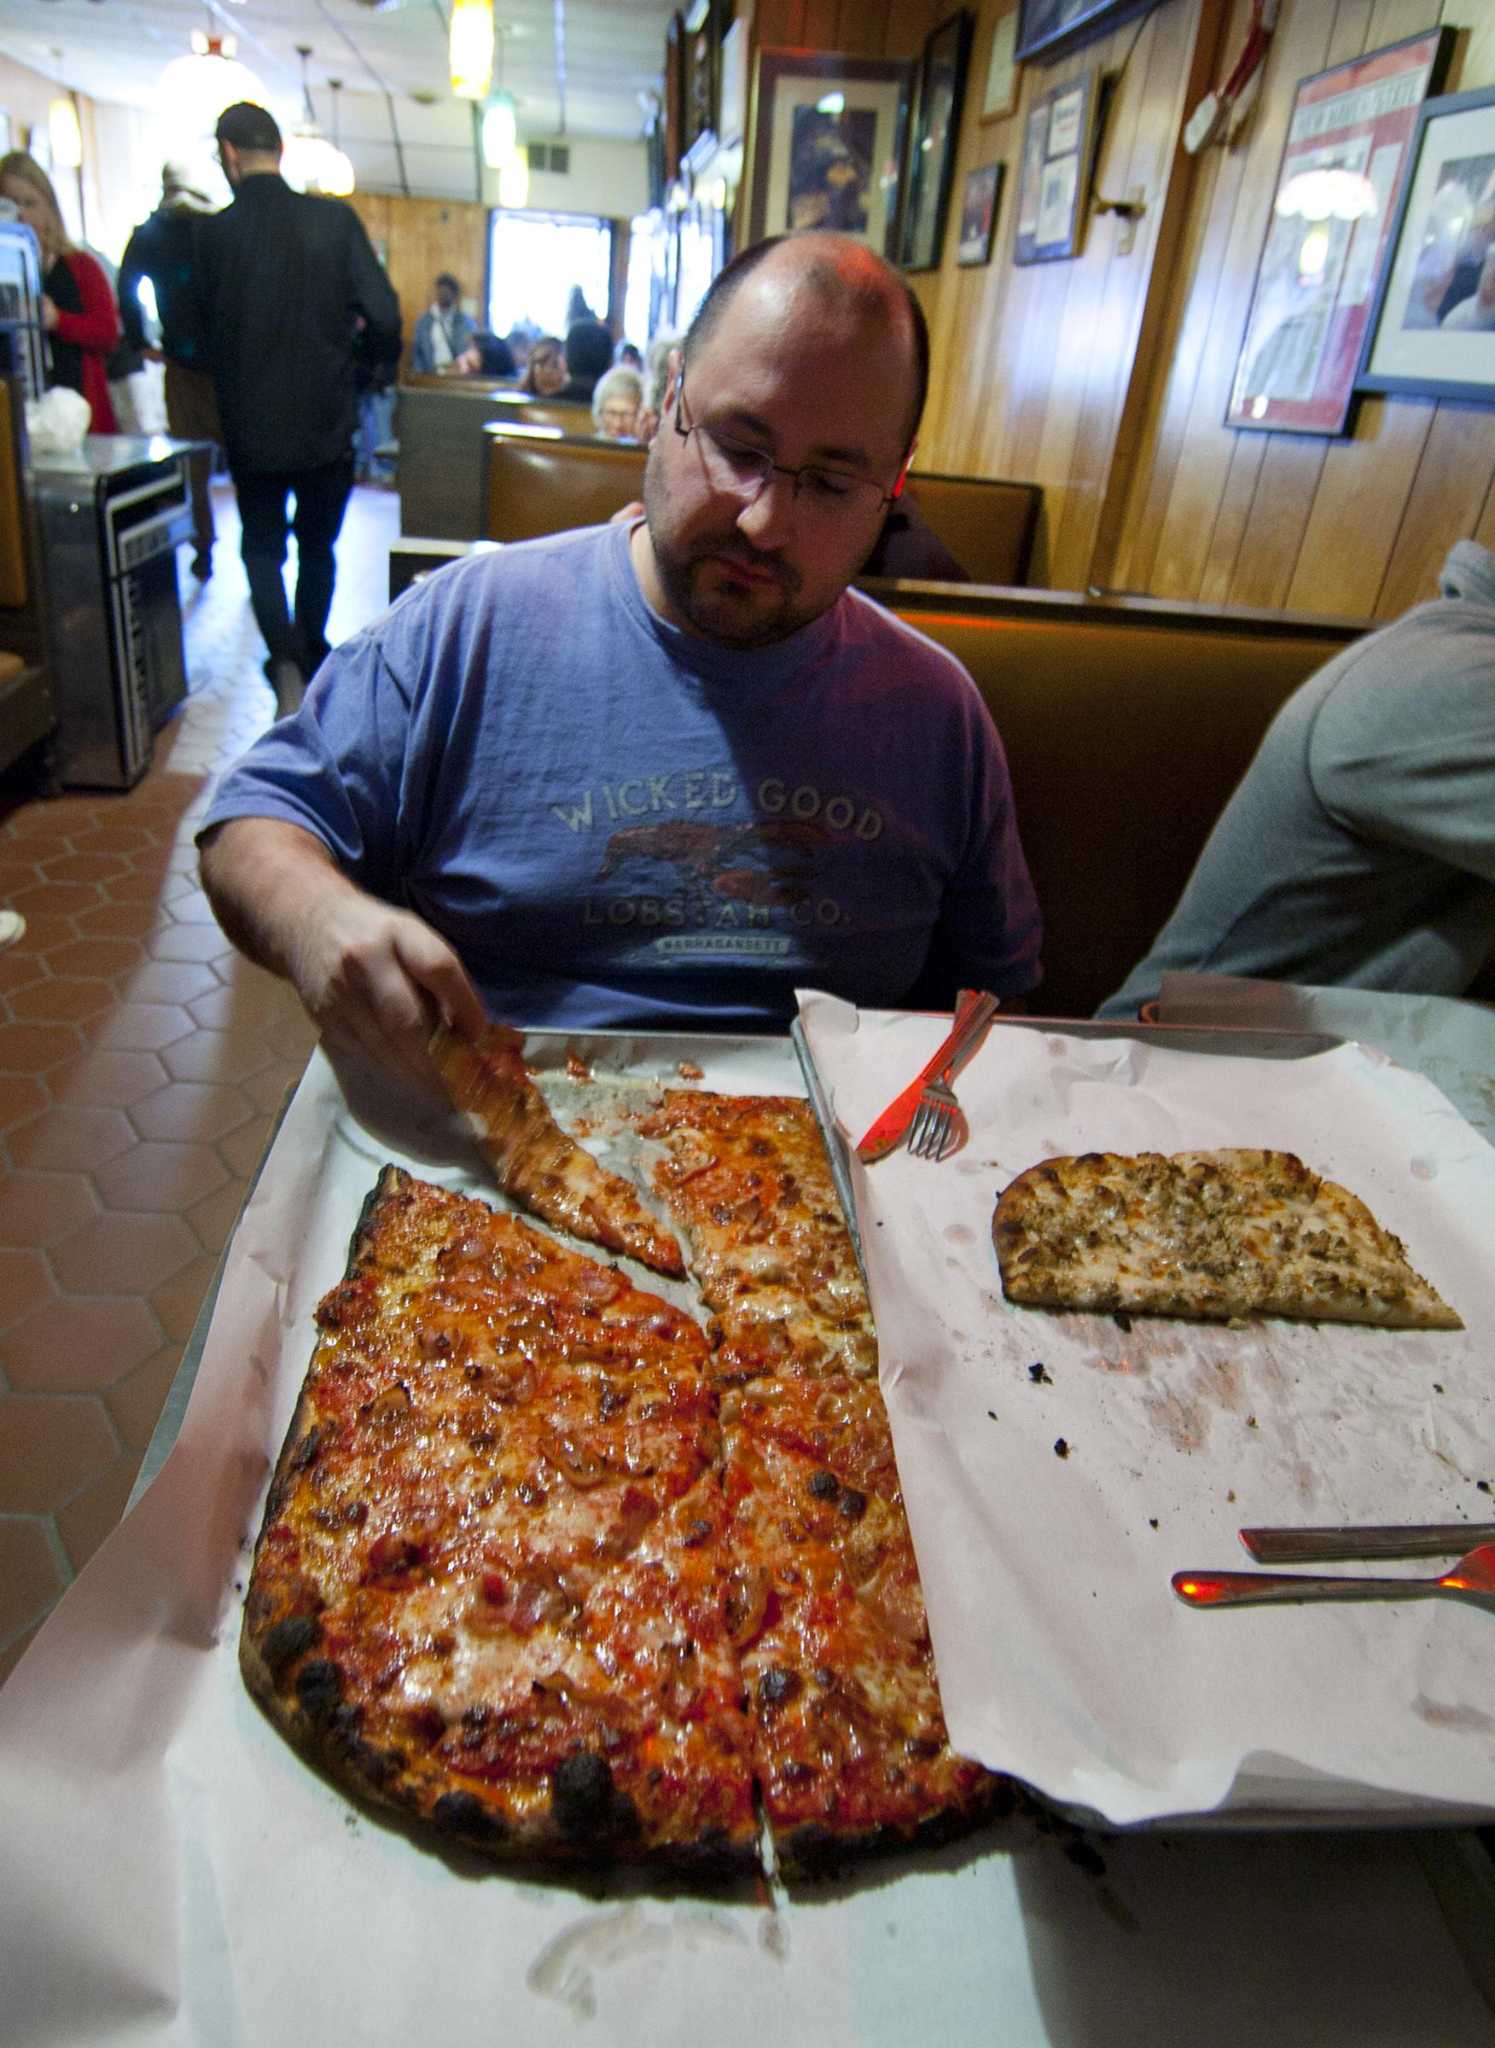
[1343,171]
[936,130]
[1000,96]
[1431,330]
[1058,149]
[1050,28]
[674,96]
[978,214]
[827,145]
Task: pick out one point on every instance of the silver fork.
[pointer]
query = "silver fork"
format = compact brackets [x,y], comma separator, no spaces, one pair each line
[937,1120]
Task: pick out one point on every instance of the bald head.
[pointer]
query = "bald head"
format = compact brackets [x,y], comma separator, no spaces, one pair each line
[813,270]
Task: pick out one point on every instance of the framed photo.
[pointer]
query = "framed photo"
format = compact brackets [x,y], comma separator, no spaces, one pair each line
[978,214]
[936,128]
[1432,326]
[1343,170]
[827,143]
[1058,149]
[1000,96]
[1050,28]
[674,96]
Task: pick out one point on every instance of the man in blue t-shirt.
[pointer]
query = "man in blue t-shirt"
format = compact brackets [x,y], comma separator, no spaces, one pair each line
[656,775]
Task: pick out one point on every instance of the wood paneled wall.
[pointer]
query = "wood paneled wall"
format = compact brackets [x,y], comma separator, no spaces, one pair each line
[1358,524]
[419,238]
[1105,379]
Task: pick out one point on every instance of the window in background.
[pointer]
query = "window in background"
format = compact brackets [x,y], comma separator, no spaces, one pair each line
[638,295]
[536,258]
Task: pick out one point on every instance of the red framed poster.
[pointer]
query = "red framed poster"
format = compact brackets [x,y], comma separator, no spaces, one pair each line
[1337,192]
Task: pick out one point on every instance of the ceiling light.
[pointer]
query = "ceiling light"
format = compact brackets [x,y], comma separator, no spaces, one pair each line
[193,91]
[470,50]
[310,163]
[63,132]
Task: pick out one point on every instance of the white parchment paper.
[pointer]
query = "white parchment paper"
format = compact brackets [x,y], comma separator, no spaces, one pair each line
[171,1872]
[1049,1508]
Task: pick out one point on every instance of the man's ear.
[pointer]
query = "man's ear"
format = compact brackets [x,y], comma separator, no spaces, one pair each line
[903,470]
[676,379]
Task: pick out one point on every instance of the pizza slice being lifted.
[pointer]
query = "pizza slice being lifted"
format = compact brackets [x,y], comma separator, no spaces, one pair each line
[1218,1234]
[541,1166]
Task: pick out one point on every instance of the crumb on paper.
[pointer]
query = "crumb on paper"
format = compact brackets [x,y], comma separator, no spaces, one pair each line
[1039,1375]
[1231,1495]
[1436,1388]
[1121,1319]
[689,1071]
[1251,1422]
[1061,1447]
[577,1067]
[1483,1486]
[1152,1521]
[991,1414]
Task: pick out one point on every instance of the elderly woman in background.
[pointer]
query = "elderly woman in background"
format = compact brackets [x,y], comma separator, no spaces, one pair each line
[545,367]
[78,309]
[616,402]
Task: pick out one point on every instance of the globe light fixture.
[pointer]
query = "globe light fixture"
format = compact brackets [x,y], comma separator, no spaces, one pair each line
[194,90]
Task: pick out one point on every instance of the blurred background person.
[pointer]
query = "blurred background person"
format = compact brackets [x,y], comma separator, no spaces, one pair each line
[486,355]
[616,402]
[627,354]
[443,331]
[589,355]
[162,249]
[545,367]
[577,307]
[78,309]
[656,377]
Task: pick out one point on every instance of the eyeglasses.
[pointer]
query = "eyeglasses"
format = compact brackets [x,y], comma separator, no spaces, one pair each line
[737,470]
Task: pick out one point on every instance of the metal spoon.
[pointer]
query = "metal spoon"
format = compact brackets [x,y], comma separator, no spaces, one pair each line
[1472,1579]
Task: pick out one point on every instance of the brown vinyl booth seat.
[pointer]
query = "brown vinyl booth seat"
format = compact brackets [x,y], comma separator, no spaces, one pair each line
[537,487]
[27,714]
[1127,723]
[439,428]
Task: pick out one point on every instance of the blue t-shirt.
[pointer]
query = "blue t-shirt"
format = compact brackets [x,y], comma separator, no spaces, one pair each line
[618,824]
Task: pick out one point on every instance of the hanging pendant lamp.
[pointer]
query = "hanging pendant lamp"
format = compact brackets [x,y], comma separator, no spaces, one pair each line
[470,48]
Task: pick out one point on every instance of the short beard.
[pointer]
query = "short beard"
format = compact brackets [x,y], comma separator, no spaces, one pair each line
[676,575]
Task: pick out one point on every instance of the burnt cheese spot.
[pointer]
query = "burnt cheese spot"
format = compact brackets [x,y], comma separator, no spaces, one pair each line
[288,1640]
[319,1687]
[585,1802]
[777,1685]
[824,1485]
[463,1813]
[852,1504]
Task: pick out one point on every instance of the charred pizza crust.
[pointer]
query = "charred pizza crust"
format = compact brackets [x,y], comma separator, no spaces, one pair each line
[1214,1234]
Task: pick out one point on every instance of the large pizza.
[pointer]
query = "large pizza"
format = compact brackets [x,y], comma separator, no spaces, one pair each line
[565,1571]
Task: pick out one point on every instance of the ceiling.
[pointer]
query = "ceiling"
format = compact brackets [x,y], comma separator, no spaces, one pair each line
[576,68]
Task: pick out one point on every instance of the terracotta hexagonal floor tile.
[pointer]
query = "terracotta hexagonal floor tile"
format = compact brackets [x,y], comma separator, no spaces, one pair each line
[21,1096]
[39,1208]
[94,1513]
[60,1002]
[30,1578]
[69,1138]
[19,968]
[165,1178]
[170,981]
[141,886]
[136,1401]
[50,1446]
[191,1112]
[101,866]
[79,1347]
[34,1048]
[223,1056]
[99,958]
[120,921]
[179,1301]
[124,1251]
[25,1283]
[141,1027]
[118,835]
[111,1079]
[54,899]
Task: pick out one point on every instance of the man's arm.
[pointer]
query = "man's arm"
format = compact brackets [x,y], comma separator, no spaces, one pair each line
[372,294]
[131,319]
[375,980]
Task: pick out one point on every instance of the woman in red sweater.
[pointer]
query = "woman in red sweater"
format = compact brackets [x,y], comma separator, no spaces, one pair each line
[78,309]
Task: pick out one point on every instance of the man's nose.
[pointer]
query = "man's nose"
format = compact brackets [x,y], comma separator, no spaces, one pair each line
[767,519]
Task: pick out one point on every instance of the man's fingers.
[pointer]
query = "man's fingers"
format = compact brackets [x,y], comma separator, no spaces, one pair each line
[435,969]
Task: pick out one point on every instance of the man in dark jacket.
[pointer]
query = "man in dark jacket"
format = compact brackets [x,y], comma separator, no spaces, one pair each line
[163,249]
[293,298]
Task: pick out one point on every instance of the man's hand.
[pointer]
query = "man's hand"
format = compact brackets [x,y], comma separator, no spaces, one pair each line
[375,980]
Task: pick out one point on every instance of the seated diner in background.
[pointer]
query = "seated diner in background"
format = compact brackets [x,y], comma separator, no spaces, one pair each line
[589,355]
[544,368]
[616,402]
[443,332]
[1359,848]
[486,355]
[660,775]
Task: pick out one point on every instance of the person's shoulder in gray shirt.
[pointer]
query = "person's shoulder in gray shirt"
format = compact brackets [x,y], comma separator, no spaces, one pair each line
[1359,848]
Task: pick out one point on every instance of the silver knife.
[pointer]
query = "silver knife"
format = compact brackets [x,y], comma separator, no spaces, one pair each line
[1411,1539]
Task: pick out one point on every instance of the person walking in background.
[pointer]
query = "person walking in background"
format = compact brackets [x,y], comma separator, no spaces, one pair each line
[285,279]
[443,331]
[163,249]
[78,309]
